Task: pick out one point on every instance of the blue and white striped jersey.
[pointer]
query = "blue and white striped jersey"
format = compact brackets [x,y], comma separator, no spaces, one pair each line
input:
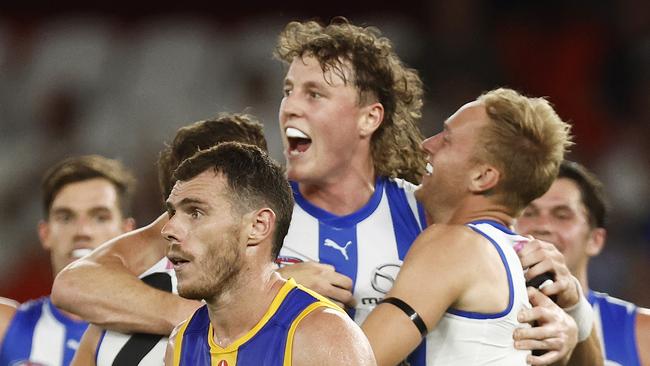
[40,334]
[616,326]
[368,245]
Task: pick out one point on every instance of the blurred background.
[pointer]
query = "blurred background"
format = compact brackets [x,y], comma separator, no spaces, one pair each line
[118,80]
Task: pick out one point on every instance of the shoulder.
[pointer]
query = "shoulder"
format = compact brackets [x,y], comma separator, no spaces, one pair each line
[7,312]
[456,240]
[328,336]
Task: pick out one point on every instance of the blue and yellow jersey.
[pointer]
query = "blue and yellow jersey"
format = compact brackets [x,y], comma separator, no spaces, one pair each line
[269,343]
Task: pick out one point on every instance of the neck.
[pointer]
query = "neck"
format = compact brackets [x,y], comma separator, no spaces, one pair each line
[581,275]
[343,195]
[475,208]
[238,310]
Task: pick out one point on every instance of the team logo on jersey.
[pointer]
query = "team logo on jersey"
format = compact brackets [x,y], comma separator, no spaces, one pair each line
[26,363]
[283,260]
[341,248]
[223,363]
[383,277]
[72,344]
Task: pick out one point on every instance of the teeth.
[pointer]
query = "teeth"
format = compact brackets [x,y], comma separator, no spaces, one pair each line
[78,253]
[429,168]
[294,152]
[294,132]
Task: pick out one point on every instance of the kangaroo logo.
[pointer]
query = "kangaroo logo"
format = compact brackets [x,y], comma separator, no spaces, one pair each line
[343,249]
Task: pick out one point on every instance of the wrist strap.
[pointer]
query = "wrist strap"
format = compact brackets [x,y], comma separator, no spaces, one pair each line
[583,314]
[410,312]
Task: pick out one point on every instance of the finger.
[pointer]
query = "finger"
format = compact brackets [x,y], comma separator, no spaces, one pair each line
[538,268]
[339,295]
[535,344]
[539,333]
[538,299]
[340,280]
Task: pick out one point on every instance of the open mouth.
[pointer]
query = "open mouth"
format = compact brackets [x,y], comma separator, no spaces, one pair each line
[177,261]
[81,252]
[429,169]
[299,142]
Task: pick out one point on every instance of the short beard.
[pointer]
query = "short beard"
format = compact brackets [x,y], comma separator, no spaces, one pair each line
[223,268]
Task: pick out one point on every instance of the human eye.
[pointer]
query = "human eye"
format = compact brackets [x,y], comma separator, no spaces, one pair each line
[195,213]
[528,213]
[286,91]
[315,95]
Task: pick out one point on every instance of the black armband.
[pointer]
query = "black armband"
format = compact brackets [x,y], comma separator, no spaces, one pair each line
[410,312]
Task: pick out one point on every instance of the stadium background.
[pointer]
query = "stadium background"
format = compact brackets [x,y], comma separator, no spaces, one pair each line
[119,79]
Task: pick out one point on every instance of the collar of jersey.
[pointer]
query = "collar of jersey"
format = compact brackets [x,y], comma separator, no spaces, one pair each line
[496,225]
[277,301]
[341,221]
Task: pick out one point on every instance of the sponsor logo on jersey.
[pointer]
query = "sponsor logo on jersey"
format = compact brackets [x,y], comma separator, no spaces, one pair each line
[341,248]
[383,277]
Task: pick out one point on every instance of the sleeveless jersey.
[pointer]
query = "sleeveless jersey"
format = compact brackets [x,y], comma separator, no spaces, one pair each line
[40,334]
[269,343]
[368,245]
[138,349]
[467,338]
[616,326]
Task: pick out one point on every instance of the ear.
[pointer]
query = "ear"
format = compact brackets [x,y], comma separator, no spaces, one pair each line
[483,178]
[596,241]
[262,224]
[128,224]
[371,119]
[44,234]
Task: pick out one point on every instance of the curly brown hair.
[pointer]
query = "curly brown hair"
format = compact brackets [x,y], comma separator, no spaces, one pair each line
[378,74]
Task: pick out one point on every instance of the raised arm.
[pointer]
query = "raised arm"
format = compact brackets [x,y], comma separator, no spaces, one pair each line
[103,287]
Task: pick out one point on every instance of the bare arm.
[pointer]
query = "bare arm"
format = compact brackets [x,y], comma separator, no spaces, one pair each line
[429,298]
[643,335]
[323,279]
[329,337]
[103,287]
[7,311]
[85,355]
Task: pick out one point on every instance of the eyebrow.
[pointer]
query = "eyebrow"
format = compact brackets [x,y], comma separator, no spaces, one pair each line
[187,201]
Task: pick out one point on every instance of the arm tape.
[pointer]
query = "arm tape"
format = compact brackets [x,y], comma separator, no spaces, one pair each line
[408,310]
[583,315]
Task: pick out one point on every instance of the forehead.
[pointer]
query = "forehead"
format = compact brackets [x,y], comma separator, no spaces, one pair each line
[84,194]
[563,192]
[308,69]
[206,186]
[466,123]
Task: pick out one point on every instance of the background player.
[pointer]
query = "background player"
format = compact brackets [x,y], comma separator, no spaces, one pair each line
[86,201]
[572,215]
[493,156]
[147,246]
[228,214]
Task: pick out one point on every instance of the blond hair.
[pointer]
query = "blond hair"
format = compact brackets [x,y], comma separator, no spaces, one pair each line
[378,74]
[526,140]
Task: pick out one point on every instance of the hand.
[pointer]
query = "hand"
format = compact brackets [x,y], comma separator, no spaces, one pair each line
[555,331]
[323,279]
[541,257]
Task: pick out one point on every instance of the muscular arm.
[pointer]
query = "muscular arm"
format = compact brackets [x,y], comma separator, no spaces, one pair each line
[85,355]
[7,311]
[430,299]
[103,288]
[329,337]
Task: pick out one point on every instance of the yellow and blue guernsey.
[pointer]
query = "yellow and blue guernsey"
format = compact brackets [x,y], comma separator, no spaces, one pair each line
[269,343]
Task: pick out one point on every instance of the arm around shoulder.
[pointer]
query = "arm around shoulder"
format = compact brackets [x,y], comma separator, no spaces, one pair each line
[329,337]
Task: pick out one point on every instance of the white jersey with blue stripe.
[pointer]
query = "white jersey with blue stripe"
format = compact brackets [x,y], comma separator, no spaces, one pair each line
[464,338]
[40,334]
[368,245]
[138,349]
[615,322]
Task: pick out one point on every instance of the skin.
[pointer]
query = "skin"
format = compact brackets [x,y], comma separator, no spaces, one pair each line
[452,196]
[7,311]
[82,215]
[234,273]
[560,217]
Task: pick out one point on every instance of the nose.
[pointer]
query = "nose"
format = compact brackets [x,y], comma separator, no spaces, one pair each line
[170,231]
[290,107]
[83,227]
[431,144]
